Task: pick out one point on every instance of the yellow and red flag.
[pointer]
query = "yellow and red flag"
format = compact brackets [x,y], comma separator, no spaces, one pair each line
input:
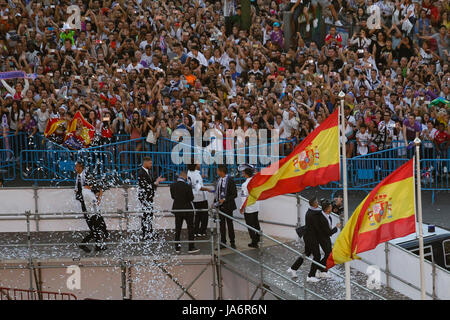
[388,212]
[313,162]
[52,125]
[87,129]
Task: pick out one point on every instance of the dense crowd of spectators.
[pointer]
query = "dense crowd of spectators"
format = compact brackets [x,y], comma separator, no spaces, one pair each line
[145,68]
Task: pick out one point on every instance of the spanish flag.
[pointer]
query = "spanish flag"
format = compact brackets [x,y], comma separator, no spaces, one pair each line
[388,212]
[313,162]
[52,125]
[87,129]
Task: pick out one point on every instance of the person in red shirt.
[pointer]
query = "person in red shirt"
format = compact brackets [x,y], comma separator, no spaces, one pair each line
[441,140]
[333,38]
[432,11]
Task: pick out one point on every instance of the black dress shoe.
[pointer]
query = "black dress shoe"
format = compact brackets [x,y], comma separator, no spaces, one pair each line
[233,245]
[84,248]
[100,248]
[253,245]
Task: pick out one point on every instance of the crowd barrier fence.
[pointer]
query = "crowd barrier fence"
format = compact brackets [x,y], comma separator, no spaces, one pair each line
[42,160]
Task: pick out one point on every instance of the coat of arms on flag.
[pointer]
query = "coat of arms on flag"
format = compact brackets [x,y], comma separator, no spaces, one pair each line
[380,209]
[306,158]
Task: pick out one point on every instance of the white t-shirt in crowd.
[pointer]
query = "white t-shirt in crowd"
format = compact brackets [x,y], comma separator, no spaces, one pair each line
[42,118]
[363,138]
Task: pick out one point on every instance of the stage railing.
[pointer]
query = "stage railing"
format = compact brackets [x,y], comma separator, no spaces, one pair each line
[24,294]
[215,251]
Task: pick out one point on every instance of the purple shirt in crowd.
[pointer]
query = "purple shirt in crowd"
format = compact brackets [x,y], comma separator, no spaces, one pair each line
[411,130]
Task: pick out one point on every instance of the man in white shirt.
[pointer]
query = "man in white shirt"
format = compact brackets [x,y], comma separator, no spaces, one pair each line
[280,126]
[148,41]
[42,115]
[290,121]
[147,56]
[250,212]
[387,122]
[408,97]
[195,179]
[198,55]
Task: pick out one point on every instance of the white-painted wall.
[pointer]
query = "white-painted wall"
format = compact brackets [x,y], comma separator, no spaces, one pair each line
[281,209]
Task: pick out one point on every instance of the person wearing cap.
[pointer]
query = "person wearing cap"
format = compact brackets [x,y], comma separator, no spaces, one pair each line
[323,228]
[311,242]
[62,110]
[276,36]
[250,212]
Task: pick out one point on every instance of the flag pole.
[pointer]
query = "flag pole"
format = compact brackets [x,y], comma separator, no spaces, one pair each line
[419,216]
[348,292]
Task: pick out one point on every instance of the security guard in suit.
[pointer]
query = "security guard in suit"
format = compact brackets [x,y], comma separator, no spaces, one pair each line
[324,230]
[311,242]
[182,195]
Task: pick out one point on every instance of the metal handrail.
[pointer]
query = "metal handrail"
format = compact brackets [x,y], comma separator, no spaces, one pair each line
[298,253]
[30,243]
[262,264]
[120,215]
[32,293]
[72,215]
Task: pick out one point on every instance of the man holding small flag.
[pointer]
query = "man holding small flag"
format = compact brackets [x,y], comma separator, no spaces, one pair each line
[81,130]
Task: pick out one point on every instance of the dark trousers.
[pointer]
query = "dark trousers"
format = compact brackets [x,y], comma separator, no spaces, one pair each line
[252,220]
[179,218]
[228,26]
[326,247]
[146,222]
[201,218]
[96,224]
[311,247]
[224,223]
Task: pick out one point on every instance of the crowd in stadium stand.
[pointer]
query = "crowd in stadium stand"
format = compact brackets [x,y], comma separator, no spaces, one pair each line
[145,68]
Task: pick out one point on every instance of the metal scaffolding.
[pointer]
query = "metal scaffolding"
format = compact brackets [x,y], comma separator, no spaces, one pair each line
[215,261]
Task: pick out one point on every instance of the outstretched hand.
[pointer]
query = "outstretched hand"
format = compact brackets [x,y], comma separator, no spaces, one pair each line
[160,179]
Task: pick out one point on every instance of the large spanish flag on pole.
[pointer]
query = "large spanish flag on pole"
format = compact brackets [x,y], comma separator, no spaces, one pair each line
[388,212]
[313,162]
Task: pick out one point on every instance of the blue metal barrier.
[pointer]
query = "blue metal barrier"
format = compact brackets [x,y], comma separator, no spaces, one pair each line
[7,165]
[44,160]
[58,165]
[435,175]
[131,161]
[164,165]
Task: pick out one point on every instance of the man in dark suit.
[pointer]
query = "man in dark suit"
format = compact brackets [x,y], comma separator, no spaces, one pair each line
[311,242]
[147,185]
[181,193]
[324,230]
[226,192]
